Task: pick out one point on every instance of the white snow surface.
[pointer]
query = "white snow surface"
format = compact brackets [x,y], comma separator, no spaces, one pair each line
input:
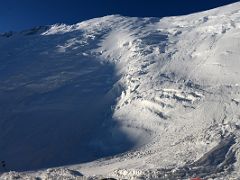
[120,96]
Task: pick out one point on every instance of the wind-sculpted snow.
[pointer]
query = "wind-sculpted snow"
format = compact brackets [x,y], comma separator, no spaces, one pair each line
[154,98]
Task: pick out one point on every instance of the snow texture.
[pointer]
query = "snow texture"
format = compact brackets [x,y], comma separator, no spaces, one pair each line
[123,97]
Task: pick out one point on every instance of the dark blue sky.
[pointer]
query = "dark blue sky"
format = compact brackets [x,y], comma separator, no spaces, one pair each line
[23,14]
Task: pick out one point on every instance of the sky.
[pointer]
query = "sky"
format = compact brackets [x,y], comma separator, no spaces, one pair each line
[17,15]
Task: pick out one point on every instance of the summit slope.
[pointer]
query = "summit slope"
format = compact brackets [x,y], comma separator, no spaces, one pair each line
[153,98]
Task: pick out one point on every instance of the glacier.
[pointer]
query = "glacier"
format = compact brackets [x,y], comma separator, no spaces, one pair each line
[123,97]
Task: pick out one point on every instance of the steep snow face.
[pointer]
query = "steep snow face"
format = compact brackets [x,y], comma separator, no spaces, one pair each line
[162,92]
[56,99]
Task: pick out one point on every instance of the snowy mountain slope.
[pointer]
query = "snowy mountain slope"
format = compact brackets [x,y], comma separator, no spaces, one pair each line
[54,104]
[162,95]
